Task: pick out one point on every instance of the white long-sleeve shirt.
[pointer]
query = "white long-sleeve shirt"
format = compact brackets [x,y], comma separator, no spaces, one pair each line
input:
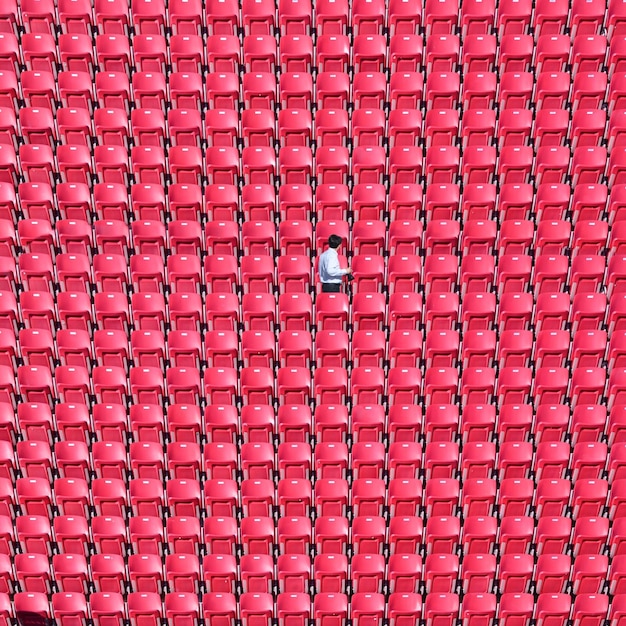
[329,269]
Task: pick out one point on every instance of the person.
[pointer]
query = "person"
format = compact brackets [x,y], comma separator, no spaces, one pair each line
[330,272]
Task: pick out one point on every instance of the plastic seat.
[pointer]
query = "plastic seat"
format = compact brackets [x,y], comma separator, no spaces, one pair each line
[75,126]
[33,572]
[442,53]
[553,52]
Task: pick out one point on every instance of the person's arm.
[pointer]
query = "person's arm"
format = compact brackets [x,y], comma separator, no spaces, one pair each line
[333,269]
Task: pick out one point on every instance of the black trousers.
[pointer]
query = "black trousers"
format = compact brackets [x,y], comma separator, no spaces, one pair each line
[331,287]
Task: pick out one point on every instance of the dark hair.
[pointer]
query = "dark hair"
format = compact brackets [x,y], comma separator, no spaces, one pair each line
[334,241]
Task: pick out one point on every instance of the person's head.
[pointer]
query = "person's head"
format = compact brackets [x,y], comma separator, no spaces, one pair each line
[334,241]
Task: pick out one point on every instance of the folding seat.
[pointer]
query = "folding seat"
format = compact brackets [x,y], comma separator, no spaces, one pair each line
[257,386]
[477,272]
[8,348]
[259,91]
[331,423]
[368,459]
[553,534]
[441,459]
[550,273]
[552,53]
[69,607]
[331,496]
[75,126]
[551,164]
[113,52]
[368,348]
[587,385]
[258,496]
[369,273]
[405,200]
[590,607]
[590,536]
[515,90]
[616,129]
[515,461]
[479,127]
[72,534]
[368,129]
[478,459]
[479,90]
[553,608]
[185,92]
[257,534]
[331,535]
[37,163]
[185,164]
[147,273]
[442,311]
[550,128]
[441,608]
[441,237]
[552,348]
[71,496]
[33,572]
[38,18]
[441,422]
[477,385]
[148,127]
[442,164]
[259,165]
[146,459]
[442,53]
[145,607]
[406,90]
[182,572]
[37,124]
[588,163]
[553,237]
[616,574]
[403,273]
[294,127]
[257,572]
[109,494]
[260,53]
[553,572]
[516,534]
[366,19]
[368,496]
[516,53]
[588,91]
[294,535]
[296,53]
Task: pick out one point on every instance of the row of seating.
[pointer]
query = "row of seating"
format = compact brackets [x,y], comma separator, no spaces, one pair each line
[334,573]
[297,18]
[37,52]
[258,312]
[368,348]
[368,127]
[292,273]
[333,90]
[443,238]
[332,165]
[590,460]
[223,424]
[185,608]
[222,202]
[299,535]
[296,385]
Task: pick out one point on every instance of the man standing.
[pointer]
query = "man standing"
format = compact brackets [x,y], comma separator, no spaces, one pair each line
[329,269]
